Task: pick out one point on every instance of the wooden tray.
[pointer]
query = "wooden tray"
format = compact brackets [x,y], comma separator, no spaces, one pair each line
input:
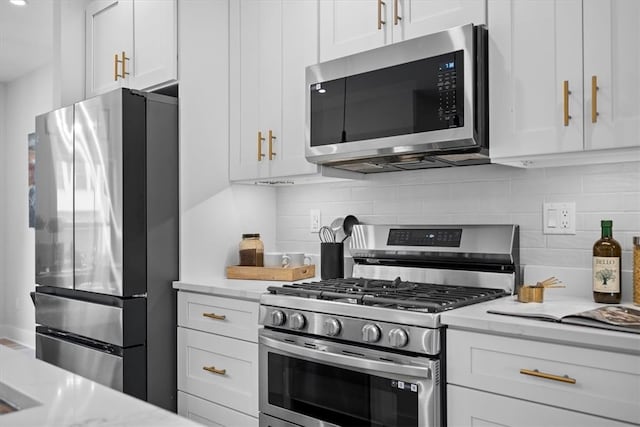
[271,273]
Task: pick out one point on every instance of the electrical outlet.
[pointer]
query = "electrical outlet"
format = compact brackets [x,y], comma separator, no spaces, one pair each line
[314,220]
[559,218]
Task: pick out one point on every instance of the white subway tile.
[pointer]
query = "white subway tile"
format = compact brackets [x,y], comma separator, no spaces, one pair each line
[378,219]
[475,218]
[528,221]
[407,207]
[567,185]
[615,182]
[478,194]
[530,239]
[375,194]
[423,191]
[426,218]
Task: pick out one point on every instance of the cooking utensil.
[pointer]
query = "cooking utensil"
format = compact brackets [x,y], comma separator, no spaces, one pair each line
[535,293]
[551,282]
[336,227]
[347,226]
[326,235]
[531,293]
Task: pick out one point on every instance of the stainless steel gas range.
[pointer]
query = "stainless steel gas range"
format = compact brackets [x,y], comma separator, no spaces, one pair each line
[369,350]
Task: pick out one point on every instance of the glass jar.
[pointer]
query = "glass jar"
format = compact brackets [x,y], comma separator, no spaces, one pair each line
[636,270]
[251,250]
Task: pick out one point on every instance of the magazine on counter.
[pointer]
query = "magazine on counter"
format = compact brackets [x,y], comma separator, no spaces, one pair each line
[614,317]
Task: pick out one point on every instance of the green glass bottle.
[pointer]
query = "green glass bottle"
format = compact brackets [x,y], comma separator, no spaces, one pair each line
[606,267]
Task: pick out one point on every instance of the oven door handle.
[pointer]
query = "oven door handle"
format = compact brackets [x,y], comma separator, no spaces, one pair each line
[349,361]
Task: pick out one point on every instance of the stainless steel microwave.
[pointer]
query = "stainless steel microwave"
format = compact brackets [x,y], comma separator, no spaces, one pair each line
[416,104]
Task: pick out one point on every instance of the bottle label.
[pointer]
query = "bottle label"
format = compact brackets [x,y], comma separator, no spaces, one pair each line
[606,274]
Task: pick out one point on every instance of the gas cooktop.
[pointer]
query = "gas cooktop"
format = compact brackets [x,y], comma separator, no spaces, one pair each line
[392,294]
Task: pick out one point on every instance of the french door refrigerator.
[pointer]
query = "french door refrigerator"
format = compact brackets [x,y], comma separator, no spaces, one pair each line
[107,241]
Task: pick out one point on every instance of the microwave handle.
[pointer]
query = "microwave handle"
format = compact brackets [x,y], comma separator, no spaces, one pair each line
[346,361]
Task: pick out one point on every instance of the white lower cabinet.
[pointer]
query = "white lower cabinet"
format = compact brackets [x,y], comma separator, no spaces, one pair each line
[217,359]
[211,414]
[500,380]
[466,407]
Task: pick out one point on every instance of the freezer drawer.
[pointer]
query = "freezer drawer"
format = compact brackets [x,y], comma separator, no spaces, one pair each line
[124,372]
[123,325]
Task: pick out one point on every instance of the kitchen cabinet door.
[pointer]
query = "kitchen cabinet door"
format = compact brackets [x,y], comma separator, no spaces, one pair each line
[420,17]
[155,35]
[145,31]
[299,50]
[255,66]
[351,26]
[612,66]
[534,47]
[272,41]
[211,414]
[109,32]
[468,407]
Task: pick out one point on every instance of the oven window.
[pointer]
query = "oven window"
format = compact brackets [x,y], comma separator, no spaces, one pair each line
[340,396]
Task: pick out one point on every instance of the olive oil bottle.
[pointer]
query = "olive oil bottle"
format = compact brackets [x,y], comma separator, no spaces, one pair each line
[606,267]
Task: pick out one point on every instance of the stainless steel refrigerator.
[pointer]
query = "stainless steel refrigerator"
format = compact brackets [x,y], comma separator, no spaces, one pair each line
[107,241]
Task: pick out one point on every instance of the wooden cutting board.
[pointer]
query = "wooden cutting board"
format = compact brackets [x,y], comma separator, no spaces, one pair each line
[271,273]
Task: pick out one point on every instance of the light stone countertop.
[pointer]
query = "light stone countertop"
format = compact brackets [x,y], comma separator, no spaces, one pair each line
[234,288]
[476,318]
[67,399]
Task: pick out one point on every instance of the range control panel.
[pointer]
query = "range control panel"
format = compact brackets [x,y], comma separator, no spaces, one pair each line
[449,237]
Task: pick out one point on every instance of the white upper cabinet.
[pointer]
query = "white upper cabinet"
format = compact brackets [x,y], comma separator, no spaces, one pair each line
[352,26]
[155,40]
[272,41]
[612,68]
[109,33]
[563,81]
[130,43]
[535,46]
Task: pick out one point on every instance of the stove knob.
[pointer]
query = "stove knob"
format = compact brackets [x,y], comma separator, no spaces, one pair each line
[332,327]
[297,321]
[398,338]
[277,318]
[370,333]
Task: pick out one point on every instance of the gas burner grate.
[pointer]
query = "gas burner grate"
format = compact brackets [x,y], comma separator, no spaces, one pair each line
[394,294]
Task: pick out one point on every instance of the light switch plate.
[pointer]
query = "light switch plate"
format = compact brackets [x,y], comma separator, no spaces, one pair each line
[559,218]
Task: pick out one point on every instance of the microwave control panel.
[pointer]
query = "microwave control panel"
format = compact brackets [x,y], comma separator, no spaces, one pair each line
[447,83]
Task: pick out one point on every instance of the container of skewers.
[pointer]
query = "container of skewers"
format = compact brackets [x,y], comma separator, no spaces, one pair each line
[535,293]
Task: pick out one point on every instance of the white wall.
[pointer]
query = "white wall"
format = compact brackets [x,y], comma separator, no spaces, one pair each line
[3,283]
[214,214]
[26,97]
[479,194]
[69,51]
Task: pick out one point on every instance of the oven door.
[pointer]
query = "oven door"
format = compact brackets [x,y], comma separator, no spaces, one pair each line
[311,382]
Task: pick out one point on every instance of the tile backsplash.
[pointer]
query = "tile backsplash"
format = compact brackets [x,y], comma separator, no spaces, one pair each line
[478,194]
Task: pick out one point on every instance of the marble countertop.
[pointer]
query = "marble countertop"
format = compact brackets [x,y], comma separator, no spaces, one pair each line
[67,399]
[476,318]
[234,288]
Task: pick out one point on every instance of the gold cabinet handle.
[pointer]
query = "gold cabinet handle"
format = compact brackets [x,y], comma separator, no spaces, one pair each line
[594,99]
[214,316]
[260,139]
[380,21]
[122,61]
[124,65]
[214,370]
[115,68]
[536,373]
[271,138]
[396,16]
[565,101]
